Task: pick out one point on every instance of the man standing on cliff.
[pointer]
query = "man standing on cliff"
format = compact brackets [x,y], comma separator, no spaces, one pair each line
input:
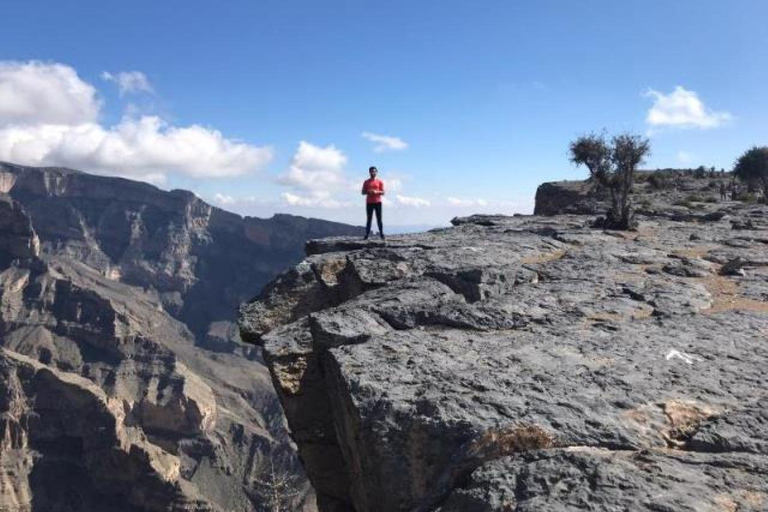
[373,189]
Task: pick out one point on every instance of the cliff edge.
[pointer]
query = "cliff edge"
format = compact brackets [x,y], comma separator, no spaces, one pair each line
[123,385]
[529,363]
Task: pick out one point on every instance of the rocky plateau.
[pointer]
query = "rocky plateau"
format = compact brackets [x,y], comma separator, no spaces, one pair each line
[532,363]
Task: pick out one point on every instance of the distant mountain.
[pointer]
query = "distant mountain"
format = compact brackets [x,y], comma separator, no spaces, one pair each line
[123,380]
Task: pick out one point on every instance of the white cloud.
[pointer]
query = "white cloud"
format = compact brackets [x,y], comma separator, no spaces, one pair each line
[155,178]
[316,177]
[36,93]
[393,184]
[454,201]
[315,168]
[129,81]
[682,109]
[133,148]
[316,199]
[385,142]
[224,199]
[417,202]
[48,116]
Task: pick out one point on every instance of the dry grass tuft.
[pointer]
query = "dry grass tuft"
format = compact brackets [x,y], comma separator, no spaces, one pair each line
[754,499]
[698,251]
[726,297]
[499,442]
[725,503]
[642,311]
[684,419]
[544,258]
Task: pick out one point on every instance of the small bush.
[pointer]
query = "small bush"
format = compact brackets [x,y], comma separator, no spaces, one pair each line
[659,181]
[747,197]
[694,198]
[503,441]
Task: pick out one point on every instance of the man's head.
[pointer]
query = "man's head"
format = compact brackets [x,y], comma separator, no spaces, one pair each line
[373,171]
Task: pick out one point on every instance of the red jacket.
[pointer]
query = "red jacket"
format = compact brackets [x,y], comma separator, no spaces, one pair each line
[371,186]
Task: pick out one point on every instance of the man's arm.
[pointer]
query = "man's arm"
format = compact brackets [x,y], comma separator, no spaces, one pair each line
[363,192]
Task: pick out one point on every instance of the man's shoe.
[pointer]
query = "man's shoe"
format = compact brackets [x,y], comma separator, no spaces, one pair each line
[382,236]
[365,237]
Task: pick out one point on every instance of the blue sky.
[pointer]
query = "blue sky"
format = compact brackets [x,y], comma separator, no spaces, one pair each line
[260,107]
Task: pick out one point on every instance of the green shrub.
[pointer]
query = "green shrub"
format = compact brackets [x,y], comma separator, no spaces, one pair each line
[660,181]
[747,197]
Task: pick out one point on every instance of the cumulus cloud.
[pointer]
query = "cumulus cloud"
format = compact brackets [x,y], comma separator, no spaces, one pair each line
[228,201]
[417,202]
[316,176]
[39,93]
[315,168]
[223,199]
[134,148]
[385,142]
[455,201]
[393,184]
[316,199]
[682,109]
[49,116]
[128,81]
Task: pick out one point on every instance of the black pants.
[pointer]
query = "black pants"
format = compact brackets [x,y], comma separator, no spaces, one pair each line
[369,209]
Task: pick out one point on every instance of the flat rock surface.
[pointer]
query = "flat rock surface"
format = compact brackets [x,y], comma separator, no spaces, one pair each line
[529,363]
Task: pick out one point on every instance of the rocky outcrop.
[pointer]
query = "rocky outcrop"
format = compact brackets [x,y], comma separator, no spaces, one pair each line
[130,292]
[672,193]
[65,445]
[529,363]
[17,238]
[564,197]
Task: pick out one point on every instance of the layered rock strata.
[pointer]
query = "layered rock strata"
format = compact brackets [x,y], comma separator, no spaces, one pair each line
[529,363]
[123,376]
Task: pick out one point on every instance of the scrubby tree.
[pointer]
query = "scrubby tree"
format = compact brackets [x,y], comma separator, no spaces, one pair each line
[612,166]
[752,167]
[277,488]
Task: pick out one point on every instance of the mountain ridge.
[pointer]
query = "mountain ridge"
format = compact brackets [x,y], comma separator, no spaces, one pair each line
[133,291]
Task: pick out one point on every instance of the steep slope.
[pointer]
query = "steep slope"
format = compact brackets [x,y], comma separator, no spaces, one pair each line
[202,261]
[141,322]
[529,363]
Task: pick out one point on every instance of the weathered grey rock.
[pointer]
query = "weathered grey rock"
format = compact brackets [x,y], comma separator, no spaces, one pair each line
[585,478]
[17,237]
[65,446]
[528,363]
